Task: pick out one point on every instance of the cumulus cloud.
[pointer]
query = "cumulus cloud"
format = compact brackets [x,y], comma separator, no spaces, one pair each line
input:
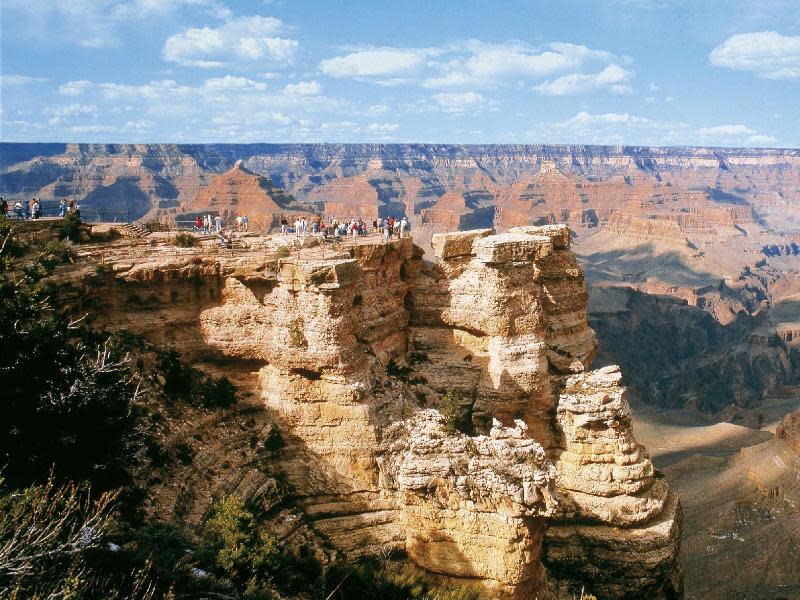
[726,130]
[96,23]
[382,127]
[385,65]
[761,140]
[459,102]
[230,82]
[613,78]
[60,114]
[246,40]
[74,88]
[768,54]
[304,88]
[736,134]
[468,64]
[226,108]
[626,128]
[20,80]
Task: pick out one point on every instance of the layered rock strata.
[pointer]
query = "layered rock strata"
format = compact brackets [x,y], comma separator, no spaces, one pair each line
[443,409]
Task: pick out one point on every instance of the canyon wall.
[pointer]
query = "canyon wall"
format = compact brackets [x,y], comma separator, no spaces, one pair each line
[716,227]
[444,408]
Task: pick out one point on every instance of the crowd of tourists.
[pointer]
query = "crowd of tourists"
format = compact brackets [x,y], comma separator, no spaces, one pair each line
[214,224]
[33,209]
[301,226]
[388,228]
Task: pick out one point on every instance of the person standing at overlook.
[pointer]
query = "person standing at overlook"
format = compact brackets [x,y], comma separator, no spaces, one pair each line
[62,208]
[284,225]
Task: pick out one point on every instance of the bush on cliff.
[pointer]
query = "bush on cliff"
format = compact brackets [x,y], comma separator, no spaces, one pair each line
[67,399]
[71,228]
[236,550]
[184,382]
[54,544]
[184,240]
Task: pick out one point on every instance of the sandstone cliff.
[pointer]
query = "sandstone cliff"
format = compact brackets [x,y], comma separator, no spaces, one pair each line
[444,409]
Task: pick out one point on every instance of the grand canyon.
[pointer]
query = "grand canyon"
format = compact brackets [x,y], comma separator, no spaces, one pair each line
[530,274]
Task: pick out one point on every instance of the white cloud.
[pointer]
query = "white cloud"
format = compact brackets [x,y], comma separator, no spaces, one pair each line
[768,54]
[726,130]
[245,39]
[226,108]
[74,88]
[92,129]
[626,128]
[382,127]
[95,23]
[378,109]
[140,125]
[472,64]
[736,134]
[60,114]
[304,88]
[762,140]
[613,77]
[230,82]
[459,102]
[376,62]
[20,80]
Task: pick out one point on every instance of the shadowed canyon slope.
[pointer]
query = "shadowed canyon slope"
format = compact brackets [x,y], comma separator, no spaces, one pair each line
[716,229]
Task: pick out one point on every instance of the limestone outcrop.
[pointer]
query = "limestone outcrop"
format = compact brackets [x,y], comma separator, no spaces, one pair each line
[440,408]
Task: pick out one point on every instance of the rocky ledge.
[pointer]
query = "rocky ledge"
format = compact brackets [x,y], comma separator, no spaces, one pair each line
[443,409]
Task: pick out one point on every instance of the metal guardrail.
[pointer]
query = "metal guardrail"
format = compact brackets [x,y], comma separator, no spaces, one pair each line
[89,214]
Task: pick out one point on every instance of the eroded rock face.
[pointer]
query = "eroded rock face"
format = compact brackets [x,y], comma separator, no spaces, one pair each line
[440,408]
[789,431]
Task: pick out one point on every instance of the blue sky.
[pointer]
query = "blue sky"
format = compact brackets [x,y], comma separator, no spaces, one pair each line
[655,72]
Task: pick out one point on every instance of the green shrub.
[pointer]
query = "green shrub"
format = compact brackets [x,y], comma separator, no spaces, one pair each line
[54,253]
[71,227]
[282,252]
[395,370]
[177,376]
[182,381]
[152,226]
[104,236]
[217,393]
[235,548]
[384,579]
[471,448]
[296,337]
[184,240]
[11,246]
[274,439]
[450,407]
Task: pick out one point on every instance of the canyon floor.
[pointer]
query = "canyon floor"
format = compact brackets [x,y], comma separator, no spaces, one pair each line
[740,491]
